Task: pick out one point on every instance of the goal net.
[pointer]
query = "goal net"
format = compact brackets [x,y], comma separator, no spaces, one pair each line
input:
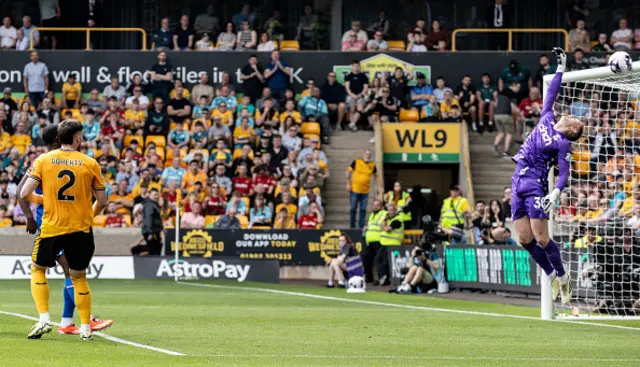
[597,221]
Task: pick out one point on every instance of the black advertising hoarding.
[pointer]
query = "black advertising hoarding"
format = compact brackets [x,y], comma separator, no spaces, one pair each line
[290,247]
[500,268]
[224,268]
[94,69]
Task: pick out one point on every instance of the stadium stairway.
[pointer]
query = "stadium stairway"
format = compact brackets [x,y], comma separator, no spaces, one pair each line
[344,148]
[490,174]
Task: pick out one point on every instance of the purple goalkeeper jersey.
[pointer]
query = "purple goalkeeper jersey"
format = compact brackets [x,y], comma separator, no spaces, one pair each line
[544,147]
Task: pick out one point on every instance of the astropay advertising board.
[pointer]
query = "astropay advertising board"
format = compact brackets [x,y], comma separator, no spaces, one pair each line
[101,267]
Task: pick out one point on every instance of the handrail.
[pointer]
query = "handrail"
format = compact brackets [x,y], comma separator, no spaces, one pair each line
[510,32]
[377,133]
[88,31]
[466,165]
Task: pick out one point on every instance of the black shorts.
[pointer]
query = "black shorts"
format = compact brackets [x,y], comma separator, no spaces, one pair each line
[78,249]
[53,22]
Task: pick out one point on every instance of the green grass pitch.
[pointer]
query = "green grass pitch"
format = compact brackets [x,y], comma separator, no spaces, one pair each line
[232,326]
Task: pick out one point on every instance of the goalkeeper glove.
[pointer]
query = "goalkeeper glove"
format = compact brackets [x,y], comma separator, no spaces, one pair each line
[549,200]
[561,57]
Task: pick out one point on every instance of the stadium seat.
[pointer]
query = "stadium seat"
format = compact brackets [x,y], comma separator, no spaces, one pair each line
[581,164]
[159,141]
[244,221]
[261,227]
[160,151]
[310,128]
[183,153]
[409,115]
[127,219]
[99,220]
[238,152]
[128,138]
[246,203]
[75,113]
[290,45]
[210,220]
[396,45]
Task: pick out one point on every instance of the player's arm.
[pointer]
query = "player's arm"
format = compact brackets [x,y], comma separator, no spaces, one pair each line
[32,226]
[556,82]
[564,166]
[99,189]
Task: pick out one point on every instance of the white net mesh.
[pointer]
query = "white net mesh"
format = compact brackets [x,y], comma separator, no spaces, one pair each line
[597,223]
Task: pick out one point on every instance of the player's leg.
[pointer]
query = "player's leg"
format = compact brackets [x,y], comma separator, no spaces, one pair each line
[500,135]
[42,256]
[79,250]
[540,227]
[66,324]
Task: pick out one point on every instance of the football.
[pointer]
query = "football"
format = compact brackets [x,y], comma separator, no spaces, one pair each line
[620,62]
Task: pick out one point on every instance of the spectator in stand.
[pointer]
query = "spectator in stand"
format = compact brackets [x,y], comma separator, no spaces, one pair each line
[136,81]
[207,23]
[227,39]
[178,138]
[361,35]
[193,175]
[519,74]
[359,175]
[284,220]
[163,37]
[202,89]
[8,34]
[383,108]
[179,108]
[266,44]
[157,120]
[506,202]
[580,107]
[253,78]
[48,110]
[352,43]
[245,15]
[223,101]
[447,104]
[204,43]
[277,73]
[357,85]
[417,43]
[215,203]
[437,39]
[578,62]
[9,104]
[419,28]
[545,68]
[22,42]
[225,81]
[193,219]
[466,96]
[183,38]
[377,43]
[313,108]
[440,90]
[421,94]
[291,140]
[486,99]
[579,37]
[143,101]
[162,77]
[603,44]
[267,118]
[455,215]
[218,130]
[36,79]
[237,203]
[27,28]
[115,90]
[260,214]
[95,102]
[313,219]
[505,124]
[622,38]
[173,173]
[335,95]
[222,179]
[381,24]
[274,28]
[531,108]
[247,38]
[228,220]
[306,31]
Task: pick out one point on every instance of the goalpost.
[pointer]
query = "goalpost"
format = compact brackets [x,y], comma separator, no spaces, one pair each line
[591,222]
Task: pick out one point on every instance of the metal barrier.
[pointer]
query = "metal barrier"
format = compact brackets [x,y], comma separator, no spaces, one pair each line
[509,31]
[88,31]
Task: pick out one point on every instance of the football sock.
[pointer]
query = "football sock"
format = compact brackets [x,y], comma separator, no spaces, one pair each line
[82,298]
[69,305]
[540,257]
[40,291]
[553,254]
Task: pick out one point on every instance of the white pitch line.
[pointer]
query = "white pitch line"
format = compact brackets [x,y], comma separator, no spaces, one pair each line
[444,358]
[104,336]
[410,307]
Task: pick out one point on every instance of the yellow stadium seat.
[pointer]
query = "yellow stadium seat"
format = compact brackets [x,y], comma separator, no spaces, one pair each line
[246,203]
[75,113]
[159,141]
[396,45]
[581,164]
[266,228]
[244,221]
[160,152]
[310,128]
[129,138]
[238,152]
[308,136]
[289,45]
[210,220]
[409,115]
[127,219]
[99,220]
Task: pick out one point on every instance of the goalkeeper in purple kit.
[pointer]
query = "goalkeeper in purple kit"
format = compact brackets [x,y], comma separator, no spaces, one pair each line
[547,145]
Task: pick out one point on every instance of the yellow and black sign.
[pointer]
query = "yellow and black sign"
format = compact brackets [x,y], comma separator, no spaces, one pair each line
[421,143]
[328,247]
[198,242]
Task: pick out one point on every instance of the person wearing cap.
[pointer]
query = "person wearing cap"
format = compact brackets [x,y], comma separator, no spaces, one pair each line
[519,74]
[455,214]
[71,93]
[200,107]
[422,93]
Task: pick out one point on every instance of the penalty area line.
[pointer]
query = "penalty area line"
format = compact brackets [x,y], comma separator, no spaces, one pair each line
[102,335]
[410,307]
[443,358]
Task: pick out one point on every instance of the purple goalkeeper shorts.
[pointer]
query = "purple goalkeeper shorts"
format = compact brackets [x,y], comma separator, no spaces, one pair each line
[526,197]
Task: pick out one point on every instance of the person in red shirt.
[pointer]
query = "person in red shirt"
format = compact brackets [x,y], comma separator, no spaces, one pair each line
[243,183]
[114,220]
[215,203]
[112,127]
[111,109]
[531,108]
[262,177]
[313,219]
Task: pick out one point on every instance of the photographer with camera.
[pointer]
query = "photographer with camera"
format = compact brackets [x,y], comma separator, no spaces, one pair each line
[424,272]
[392,235]
[372,232]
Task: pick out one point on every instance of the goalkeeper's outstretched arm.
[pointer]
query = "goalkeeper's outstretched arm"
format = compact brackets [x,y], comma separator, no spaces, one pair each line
[556,82]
